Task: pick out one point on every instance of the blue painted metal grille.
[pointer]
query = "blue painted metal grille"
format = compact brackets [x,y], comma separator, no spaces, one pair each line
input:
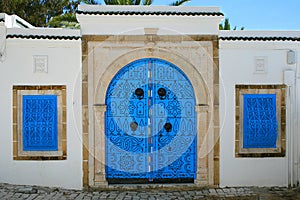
[260,122]
[126,147]
[40,123]
[176,148]
[150,123]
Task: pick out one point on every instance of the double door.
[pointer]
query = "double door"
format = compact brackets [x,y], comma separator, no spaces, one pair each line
[150,124]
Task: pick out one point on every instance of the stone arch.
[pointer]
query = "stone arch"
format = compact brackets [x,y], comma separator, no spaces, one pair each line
[201,90]
[204,105]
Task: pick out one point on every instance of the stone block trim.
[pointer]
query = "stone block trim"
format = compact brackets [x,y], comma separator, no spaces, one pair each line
[85,118]
[101,59]
[216,111]
[60,92]
[280,91]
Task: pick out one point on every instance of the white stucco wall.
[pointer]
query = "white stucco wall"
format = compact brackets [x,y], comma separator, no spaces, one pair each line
[64,68]
[237,66]
[134,24]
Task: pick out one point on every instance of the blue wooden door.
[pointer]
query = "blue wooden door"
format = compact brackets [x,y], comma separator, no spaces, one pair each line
[150,123]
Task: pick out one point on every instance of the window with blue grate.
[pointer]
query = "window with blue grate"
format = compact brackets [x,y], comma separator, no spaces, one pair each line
[39,123]
[260,121]
[260,126]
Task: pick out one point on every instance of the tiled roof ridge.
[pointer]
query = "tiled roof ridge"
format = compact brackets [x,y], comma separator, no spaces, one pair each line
[259,38]
[230,38]
[141,13]
[44,33]
[50,37]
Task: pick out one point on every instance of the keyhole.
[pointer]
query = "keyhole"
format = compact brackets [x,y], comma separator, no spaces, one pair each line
[140,108]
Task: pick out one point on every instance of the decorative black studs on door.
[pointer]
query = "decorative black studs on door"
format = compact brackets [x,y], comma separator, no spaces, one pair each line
[150,124]
[139,93]
[168,127]
[134,126]
[162,93]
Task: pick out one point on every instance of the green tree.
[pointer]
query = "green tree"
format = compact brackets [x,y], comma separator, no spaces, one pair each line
[91,2]
[38,12]
[69,21]
[179,3]
[59,13]
[127,2]
[141,2]
[226,25]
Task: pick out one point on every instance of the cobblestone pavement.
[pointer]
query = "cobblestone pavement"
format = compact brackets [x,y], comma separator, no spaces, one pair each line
[16,192]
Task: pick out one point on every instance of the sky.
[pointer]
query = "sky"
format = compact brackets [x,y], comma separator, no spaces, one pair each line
[253,14]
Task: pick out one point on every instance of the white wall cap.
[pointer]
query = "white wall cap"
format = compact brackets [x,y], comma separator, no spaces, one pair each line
[14,21]
[258,33]
[138,8]
[59,32]
[131,20]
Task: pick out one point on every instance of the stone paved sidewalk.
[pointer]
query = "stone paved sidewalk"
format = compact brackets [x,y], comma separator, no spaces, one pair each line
[18,192]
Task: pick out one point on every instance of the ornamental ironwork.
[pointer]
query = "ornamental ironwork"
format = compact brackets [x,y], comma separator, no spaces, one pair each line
[39,123]
[260,121]
[150,124]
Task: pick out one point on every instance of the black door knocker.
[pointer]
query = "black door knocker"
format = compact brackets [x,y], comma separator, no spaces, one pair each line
[168,127]
[134,126]
[162,93]
[139,93]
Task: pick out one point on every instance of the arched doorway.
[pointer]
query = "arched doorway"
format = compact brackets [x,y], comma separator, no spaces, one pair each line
[150,124]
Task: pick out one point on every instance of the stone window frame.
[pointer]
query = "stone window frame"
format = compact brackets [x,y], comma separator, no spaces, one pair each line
[18,92]
[280,91]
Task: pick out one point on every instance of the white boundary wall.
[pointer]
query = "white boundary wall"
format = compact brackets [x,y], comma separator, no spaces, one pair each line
[237,66]
[64,68]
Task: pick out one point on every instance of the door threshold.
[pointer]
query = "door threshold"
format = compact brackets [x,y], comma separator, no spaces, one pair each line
[112,181]
[165,186]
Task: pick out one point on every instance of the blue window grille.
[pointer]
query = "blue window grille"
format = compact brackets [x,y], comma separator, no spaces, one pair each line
[260,126]
[39,123]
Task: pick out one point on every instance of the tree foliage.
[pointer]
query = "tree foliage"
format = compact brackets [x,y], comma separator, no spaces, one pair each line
[91,2]
[67,20]
[140,2]
[38,12]
[59,13]
[226,25]
[128,2]
[179,2]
